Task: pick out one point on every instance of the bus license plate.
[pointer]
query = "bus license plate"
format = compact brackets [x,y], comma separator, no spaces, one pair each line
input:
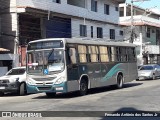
[1,88]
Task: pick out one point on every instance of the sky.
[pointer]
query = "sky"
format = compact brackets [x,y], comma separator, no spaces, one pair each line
[150,4]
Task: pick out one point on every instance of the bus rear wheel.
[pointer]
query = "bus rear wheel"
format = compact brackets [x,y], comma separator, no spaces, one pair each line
[83,87]
[50,94]
[119,81]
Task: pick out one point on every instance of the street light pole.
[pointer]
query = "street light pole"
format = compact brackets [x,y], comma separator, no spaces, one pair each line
[132,38]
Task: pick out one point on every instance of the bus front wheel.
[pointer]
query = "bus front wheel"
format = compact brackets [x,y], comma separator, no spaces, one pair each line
[22,89]
[83,87]
[119,81]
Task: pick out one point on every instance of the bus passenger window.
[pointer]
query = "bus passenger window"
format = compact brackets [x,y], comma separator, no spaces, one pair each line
[82,51]
[104,54]
[113,52]
[72,55]
[93,53]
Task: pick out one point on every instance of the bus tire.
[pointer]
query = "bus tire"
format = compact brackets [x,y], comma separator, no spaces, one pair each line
[50,94]
[22,89]
[83,87]
[119,81]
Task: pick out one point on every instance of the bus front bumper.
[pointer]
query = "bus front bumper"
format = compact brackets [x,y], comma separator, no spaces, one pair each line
[60,88]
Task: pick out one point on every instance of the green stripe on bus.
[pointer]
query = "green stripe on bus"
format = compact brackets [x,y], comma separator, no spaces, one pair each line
[113,71]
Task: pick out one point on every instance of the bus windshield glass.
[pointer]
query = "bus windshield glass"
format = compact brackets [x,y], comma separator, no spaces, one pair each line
[51,60]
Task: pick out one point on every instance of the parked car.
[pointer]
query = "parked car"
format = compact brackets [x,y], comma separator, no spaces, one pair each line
[150,71]
[14,81]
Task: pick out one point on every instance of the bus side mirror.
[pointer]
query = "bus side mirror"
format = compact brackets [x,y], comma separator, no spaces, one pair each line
[70,52]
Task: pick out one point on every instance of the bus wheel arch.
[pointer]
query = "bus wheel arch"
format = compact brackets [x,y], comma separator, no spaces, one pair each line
[120,80]
[83,85]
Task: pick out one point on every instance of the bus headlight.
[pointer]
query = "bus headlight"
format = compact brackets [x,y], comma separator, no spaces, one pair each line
[30,82]
[60,80]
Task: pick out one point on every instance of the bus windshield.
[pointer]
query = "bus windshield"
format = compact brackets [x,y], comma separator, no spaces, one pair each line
[51,60]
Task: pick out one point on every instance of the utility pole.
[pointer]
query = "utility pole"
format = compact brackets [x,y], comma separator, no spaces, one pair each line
[132,14]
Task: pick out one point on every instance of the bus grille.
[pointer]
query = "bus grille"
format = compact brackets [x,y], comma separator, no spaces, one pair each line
[44,88]
[44,79]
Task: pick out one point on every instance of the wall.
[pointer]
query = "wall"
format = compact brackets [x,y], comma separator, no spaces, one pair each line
[9,26]
[3,70]
[76,29]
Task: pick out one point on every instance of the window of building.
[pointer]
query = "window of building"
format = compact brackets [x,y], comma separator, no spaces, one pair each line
[116,8]
[148,32]
[104,54]
[99,32]
[78,3]
[121,32]
[94,5]
[82,51]
[83,30]
[56,1]
[106,9]
[112,34]
[121,11]
[93,54]
[91,31]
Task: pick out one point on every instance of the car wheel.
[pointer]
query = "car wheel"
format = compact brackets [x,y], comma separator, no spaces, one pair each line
[51,94]
[153,77]
[119,81]
[83,87]
[22,89]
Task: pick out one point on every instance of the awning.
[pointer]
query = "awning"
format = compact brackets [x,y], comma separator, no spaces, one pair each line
[3,49]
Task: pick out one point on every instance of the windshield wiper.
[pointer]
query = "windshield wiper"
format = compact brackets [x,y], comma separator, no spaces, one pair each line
[50,54]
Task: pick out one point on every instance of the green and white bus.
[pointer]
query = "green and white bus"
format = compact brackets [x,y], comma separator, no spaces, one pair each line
[62,65]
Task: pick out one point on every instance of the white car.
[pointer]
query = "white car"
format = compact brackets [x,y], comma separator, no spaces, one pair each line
[14,81]
[150,71]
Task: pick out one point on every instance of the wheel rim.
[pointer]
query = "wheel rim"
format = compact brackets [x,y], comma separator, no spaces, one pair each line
[83,86]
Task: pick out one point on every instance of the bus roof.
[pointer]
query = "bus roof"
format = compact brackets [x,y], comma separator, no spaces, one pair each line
[88,41]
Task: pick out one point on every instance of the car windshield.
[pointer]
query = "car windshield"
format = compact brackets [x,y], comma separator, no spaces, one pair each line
[146,68]
[16,72]
[46,60]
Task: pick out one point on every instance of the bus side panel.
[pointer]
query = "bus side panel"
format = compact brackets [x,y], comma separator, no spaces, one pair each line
[72,78]
[133,75]
[94,73]
[109,77]
[105,68]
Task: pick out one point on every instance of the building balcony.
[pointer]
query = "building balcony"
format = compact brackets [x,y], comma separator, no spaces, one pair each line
[72,10]
[152,49]
[139,20]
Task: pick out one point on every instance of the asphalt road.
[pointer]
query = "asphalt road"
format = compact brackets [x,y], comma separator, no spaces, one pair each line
[135,96]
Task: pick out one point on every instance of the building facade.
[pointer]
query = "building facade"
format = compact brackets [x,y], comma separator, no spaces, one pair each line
[146,32]
[26,20]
